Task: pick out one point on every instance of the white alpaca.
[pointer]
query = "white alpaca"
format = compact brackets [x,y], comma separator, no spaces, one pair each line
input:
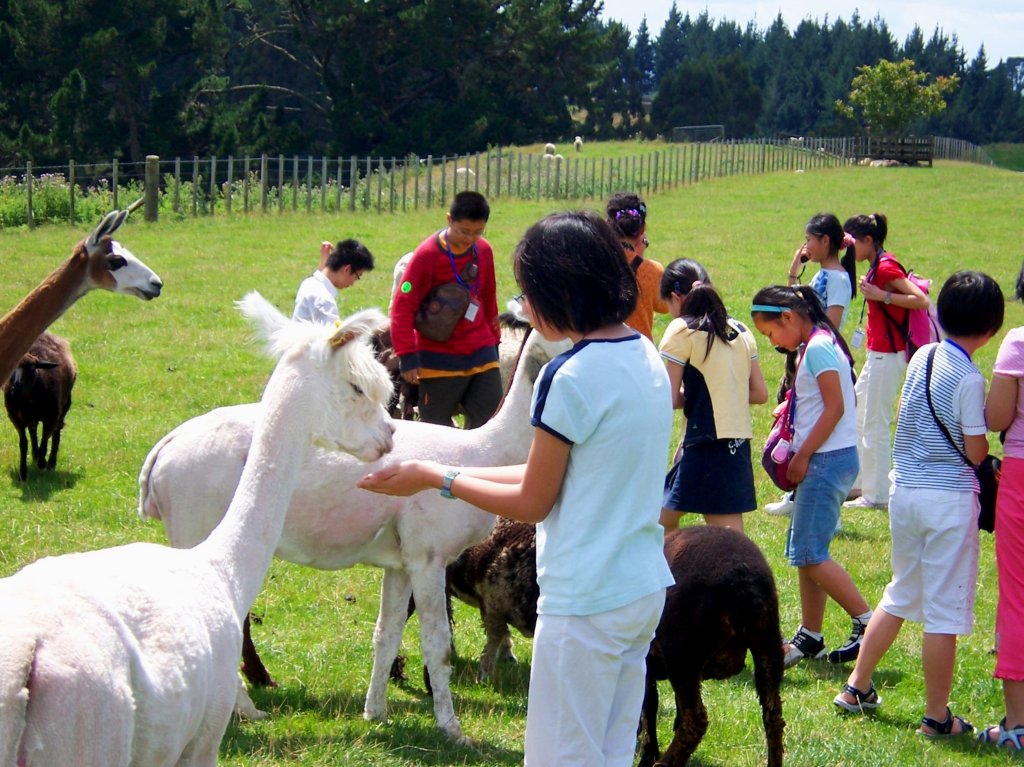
[127,656]
[186,481]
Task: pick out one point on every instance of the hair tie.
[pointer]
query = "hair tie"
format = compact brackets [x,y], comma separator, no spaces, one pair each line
[849,240]
[696,284]
[620,214]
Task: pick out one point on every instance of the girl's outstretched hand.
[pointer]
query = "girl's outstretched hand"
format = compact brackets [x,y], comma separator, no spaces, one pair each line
[405,478]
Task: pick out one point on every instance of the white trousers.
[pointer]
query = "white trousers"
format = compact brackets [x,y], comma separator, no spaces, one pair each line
[587,685]
[878,388]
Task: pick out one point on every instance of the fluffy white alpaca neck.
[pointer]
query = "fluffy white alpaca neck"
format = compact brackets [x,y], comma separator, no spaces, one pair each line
[242,545]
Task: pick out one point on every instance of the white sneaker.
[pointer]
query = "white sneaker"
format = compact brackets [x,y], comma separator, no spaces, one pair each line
[782,508]
[864,503]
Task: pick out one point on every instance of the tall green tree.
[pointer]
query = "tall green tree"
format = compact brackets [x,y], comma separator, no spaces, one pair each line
[890,96]
[708,92]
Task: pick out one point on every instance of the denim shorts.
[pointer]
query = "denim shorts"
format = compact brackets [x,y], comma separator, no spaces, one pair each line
[816,505]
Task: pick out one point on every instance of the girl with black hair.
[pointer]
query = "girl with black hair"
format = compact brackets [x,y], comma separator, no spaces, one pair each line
[835,283]
[715,376]
[592,483]
[823,464]
[888,294]
[836,280]
[627,215]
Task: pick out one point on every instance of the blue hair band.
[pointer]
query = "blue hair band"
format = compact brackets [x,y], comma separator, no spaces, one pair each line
[768,308]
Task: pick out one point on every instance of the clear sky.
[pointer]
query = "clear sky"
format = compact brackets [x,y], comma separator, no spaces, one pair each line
[999,24]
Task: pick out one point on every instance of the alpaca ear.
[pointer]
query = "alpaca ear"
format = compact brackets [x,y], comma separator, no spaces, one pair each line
[107,225]
[342,335]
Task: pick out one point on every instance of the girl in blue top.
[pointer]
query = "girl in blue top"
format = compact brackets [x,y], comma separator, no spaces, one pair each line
[836,281]
[824,463]
[592,483]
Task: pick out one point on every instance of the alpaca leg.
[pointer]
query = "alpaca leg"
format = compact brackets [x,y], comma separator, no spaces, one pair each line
[252,664]
[691,721]
[648,733]
[38,446]
[768,680]
[51,462]
[256,673]
[387,636]
[499,642]
[428,581]
[245,709]
[23,449]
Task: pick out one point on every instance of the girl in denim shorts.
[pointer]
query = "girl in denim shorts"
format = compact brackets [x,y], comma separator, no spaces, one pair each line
[823,464]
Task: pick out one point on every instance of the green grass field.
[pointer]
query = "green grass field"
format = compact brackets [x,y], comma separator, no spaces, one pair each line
[145,368]
[1009,156]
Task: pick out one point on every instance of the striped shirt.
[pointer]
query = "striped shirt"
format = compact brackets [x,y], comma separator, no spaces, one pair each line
[921,455]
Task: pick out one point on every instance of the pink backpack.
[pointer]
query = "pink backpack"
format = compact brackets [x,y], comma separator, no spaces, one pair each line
[921,326]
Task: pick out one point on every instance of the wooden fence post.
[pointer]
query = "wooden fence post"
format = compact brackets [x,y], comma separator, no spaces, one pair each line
[71,191]
[29,218]
[151,190]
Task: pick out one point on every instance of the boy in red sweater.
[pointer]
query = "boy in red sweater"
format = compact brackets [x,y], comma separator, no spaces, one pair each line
[464,369]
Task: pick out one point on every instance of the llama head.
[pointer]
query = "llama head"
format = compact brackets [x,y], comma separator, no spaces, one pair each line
[350,389]
[113,267]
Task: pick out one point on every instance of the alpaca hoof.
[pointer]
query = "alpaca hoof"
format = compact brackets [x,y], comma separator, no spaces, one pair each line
[250,713]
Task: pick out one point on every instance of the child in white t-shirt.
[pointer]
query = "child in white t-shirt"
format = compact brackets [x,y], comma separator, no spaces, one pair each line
[592,483]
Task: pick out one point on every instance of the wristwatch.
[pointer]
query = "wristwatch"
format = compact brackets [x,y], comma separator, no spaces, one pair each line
[888,297]
[446,483]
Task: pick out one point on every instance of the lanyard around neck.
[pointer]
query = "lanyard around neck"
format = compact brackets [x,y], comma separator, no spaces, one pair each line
[474,288]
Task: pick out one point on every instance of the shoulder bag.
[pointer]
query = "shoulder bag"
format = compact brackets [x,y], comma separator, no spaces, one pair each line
[987,471]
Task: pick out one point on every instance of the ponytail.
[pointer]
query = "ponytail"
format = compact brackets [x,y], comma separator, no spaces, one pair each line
[875,226]
[703,310]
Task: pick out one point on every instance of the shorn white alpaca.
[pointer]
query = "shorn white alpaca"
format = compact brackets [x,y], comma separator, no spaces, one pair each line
[187,478]
[128,656]
[95,262]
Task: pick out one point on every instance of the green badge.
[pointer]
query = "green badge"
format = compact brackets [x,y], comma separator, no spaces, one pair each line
[406,286]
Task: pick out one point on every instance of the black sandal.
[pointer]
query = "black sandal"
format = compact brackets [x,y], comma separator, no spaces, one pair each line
[945,729]
[862,700]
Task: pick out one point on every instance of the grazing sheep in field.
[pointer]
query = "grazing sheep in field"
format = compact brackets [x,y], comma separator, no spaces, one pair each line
[578,143]
[38,394]
[499,577]
[187,480]
[549,149]
[723,604]
[127,657]
[95,262]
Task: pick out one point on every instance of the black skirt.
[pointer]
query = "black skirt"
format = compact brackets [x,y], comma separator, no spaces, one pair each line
[712,478]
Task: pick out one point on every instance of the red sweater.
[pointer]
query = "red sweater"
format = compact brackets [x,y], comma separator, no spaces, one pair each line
[473,345]
[882,336]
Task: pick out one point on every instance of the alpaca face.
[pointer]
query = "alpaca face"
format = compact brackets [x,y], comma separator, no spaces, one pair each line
[355,419]
[113,267]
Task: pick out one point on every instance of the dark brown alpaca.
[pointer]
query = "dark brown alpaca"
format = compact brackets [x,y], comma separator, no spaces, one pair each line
[724,603]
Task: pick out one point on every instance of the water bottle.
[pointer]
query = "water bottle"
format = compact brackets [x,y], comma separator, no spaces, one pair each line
[781,451]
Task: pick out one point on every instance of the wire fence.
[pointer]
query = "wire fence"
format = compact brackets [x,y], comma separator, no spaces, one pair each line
[189,187]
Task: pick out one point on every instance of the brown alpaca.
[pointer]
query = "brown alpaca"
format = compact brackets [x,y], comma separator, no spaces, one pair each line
[95,262]
[38,396]
[724,603]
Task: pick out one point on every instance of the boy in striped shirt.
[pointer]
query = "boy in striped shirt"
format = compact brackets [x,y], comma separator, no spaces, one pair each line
[933,503]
